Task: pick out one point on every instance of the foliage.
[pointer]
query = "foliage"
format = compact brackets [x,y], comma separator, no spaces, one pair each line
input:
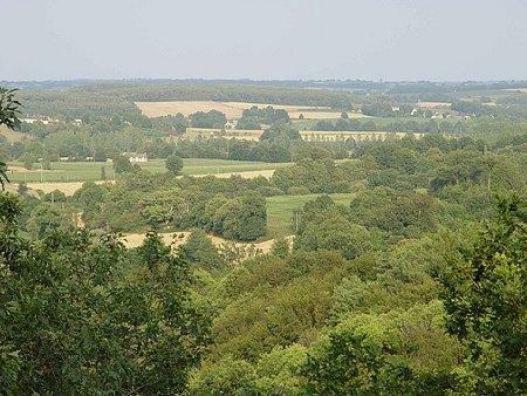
[485,301]
[253,118]
[72,321]
[198,250]
[9,113]
[209,119]
[122,164]
[174,164]
[9,108]
[385,354]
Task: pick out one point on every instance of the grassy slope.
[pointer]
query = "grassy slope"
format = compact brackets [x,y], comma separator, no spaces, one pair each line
[91,171]
[280,211]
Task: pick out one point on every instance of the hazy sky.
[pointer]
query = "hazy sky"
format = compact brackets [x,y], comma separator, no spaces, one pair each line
[264,39]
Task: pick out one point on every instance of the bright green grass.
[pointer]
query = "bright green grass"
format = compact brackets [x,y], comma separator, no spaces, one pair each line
[280,211]
[62,172]
[91,171]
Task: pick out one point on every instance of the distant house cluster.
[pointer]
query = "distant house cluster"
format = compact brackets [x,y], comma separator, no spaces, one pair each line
[136,158]
[45,120]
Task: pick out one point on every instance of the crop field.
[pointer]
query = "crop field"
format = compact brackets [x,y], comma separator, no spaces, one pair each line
[233,110]
[280,211]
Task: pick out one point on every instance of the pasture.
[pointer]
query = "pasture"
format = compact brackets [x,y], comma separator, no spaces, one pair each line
[65,172]
[234,110]
[280,209]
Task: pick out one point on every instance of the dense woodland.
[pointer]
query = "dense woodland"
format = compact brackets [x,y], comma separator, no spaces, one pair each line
[417,286]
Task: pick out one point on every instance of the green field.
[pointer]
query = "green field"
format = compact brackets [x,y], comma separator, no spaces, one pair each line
[91,171]
[280,211]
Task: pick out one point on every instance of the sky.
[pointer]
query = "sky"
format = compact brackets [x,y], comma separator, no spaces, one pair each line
[396,40]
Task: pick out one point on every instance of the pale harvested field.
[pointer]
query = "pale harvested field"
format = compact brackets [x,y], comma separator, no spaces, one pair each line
[234,110]
[176,239]
[67,188]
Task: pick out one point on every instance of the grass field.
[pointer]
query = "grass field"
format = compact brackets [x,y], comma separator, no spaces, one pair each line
[280,211]
[64,172]
[233,110]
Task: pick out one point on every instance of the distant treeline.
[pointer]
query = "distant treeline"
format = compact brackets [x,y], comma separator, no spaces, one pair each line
[424,126]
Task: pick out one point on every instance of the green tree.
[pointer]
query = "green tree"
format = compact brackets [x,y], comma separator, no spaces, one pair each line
[396,353]
[122,164]
[73,320]
[9,113]
[174,164]
[199,250]
[243,218]
[485,299]
[209,119]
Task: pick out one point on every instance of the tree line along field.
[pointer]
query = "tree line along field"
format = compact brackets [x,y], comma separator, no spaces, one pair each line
[308,135]
[64,172]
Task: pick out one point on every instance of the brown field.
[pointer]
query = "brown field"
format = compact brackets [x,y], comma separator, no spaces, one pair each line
[67,188]
[176,239]
[233,110]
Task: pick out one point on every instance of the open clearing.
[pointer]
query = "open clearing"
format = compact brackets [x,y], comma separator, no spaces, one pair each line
[176,239]
[66,172]
[280,211]
[233,110]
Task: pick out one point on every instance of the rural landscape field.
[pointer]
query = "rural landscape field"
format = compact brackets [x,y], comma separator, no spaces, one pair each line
[263,198]
[233,110]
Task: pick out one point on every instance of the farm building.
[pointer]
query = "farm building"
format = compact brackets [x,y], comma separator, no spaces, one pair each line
[136,158]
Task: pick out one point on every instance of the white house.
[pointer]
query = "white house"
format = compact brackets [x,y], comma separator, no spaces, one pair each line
[136,158]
